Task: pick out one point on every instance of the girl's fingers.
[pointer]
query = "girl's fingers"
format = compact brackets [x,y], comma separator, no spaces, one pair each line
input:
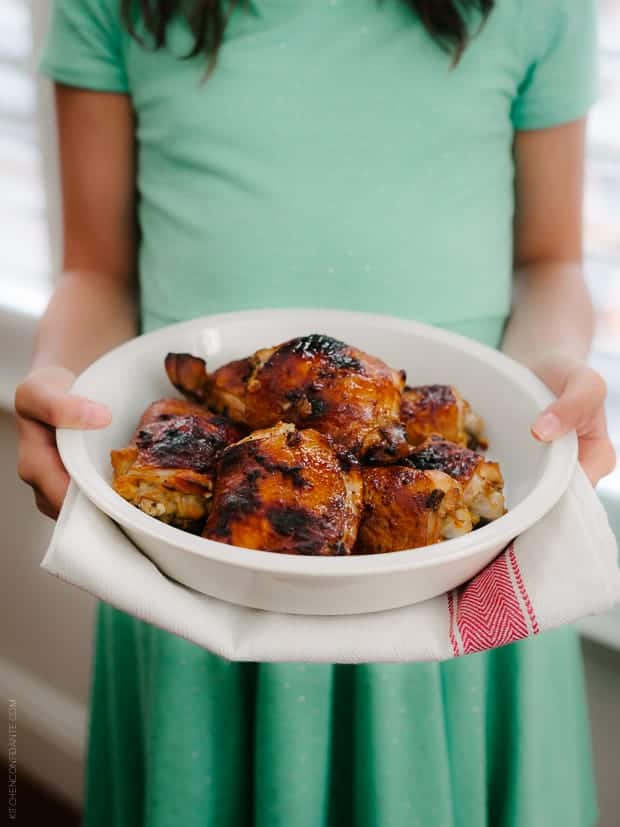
[54,406]
[596,452]
[45,507]
[580,400]
[42,404]
[39,465]
[50,488]
[597,458]
[580,407]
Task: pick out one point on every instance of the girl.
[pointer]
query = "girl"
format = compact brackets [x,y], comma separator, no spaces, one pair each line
[413,157]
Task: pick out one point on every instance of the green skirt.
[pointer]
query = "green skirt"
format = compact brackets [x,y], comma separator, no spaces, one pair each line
[182,738]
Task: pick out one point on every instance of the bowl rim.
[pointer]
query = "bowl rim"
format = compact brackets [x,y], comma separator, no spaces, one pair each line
[560,461]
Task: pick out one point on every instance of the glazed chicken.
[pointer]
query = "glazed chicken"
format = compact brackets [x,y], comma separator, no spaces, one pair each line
[165,409]
[168,468]
[406,508]
[480,479]
[440,409]
[286,490]
[313,382]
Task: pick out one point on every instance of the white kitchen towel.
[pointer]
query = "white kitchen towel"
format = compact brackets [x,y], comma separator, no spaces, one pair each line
[562,569]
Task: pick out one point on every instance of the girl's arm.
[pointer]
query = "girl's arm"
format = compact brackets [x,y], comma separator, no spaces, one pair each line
[552,322]
[93,307]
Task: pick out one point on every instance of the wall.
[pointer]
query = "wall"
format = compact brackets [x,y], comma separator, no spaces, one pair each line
[45,638]
[603,680]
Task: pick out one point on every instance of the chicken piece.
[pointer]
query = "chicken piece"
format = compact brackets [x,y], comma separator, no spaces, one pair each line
[288,491]
[188,374]
[406,508]
[481,479]
[164,409]
[227,389]
[440,409]
[312,381]
[223,390]
[167,470]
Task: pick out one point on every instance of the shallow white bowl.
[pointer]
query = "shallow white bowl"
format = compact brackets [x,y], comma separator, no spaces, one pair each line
[507,395]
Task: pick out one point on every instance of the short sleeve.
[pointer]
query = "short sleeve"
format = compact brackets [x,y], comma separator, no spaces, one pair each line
[83,46]
[560,82]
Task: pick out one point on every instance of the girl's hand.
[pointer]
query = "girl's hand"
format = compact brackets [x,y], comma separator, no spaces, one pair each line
[581,393]
[42,404]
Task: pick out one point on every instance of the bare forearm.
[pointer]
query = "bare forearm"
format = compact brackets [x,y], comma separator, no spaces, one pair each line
[552,313]
[88,314]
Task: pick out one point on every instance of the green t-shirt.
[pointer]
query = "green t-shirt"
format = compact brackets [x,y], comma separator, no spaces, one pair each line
[334,158]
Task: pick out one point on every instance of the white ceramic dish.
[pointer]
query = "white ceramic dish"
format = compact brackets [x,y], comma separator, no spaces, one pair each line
[507,395]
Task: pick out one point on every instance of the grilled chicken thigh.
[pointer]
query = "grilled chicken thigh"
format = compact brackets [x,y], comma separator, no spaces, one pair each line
[227,388]
[406,508]
[224,390]
[440,409]
[165,409]
[312,381]
[285,490]
[481,480]
[167,470]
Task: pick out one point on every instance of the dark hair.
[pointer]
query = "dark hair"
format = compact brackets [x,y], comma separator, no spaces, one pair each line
[445,20]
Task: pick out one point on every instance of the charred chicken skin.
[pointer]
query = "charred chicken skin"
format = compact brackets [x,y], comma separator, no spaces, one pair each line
[480,479]
[168,468]
[164,409]
[313,382]
[406,508]
[310,447]
[440,409]
[286,490]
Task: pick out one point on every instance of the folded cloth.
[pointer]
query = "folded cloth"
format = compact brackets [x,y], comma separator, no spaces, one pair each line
[563,568]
